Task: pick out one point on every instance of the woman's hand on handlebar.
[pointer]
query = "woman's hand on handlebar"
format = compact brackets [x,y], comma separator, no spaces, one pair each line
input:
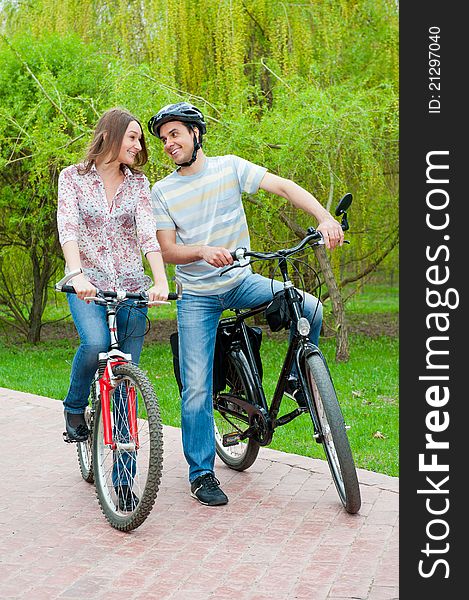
[83,287]
[158,292]
[332,233]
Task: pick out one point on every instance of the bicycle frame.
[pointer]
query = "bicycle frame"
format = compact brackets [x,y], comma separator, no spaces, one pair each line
[299,347]
[244,406]
[107,382]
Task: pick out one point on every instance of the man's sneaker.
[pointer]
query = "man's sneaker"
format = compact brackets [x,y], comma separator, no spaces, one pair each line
[206,489]
[76,427]
[126,499]
[293,391]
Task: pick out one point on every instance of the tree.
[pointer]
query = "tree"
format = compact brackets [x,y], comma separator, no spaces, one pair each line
[48,92]
[308,89]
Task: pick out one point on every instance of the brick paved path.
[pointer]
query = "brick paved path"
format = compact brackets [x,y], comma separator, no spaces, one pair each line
[55,542]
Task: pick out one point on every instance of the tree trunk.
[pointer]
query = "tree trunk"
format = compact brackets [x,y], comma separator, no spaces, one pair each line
[341,348]
[43,268]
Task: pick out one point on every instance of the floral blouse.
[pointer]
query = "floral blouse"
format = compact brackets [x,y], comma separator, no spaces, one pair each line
[110,238]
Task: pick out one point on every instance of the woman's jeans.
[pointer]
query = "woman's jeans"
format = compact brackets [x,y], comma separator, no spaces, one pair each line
[198,318]
[91,324]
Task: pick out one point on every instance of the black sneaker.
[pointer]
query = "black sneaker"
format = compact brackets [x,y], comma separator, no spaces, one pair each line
[76,427]
[293,391]
[206,489]
[126,499]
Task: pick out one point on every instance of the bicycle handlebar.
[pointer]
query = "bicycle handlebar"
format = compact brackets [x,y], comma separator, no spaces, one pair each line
[313,236]
[61,286]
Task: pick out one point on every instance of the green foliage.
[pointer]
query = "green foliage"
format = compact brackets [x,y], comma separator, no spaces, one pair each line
[308,89]
[48,92]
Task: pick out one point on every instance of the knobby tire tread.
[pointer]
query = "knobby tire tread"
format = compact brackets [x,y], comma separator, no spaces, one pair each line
[149,398]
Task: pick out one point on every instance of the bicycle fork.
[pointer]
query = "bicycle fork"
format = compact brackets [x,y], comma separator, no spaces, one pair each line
[107,383]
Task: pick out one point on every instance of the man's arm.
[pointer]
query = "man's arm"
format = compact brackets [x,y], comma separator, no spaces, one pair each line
[180,254]
[299,197]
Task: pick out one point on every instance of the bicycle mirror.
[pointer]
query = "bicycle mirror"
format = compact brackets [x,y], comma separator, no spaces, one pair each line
[344,204]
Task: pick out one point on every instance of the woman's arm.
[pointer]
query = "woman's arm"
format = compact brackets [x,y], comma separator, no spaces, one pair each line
[160,288]
[82,286]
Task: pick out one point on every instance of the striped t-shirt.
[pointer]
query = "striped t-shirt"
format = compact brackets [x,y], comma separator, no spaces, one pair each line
[206,209]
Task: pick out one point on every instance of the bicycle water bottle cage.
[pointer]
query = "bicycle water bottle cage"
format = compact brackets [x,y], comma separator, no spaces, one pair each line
[277,312]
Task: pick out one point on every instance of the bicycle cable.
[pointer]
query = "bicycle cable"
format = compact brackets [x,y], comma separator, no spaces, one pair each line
[131,308]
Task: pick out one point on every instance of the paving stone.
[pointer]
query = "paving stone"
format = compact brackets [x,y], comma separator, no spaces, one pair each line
[283,535]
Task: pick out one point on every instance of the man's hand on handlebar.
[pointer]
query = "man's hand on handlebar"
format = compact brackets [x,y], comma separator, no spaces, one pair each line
[217,256]
[332,233]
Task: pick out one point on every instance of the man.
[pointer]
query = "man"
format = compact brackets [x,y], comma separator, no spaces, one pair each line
[200,219]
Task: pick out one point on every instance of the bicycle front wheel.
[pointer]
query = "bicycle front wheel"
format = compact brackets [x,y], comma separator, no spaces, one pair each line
[128,472]
[332,433]
[229,418]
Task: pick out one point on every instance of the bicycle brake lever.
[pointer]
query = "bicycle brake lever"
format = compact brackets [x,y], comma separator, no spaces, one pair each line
[58,286]
[240,265]
[96,299]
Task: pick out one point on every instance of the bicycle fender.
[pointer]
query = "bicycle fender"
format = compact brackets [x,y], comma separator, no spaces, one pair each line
[310,349]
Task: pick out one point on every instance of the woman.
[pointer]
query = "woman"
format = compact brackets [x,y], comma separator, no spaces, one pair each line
[105,223]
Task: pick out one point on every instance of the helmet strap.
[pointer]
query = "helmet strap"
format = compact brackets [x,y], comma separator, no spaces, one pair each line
[197,145]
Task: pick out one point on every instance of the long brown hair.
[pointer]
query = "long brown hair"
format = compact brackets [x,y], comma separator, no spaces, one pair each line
[107,139]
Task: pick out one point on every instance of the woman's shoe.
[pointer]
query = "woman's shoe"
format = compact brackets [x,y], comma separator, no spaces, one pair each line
[76,427]
[127,500]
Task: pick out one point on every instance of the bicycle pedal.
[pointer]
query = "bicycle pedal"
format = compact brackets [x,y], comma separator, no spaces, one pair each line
[67,439]
[231,439]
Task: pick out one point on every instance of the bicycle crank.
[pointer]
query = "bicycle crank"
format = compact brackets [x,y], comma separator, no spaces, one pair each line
[259,424]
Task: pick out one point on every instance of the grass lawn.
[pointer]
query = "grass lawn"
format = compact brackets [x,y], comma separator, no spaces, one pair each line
[367,385]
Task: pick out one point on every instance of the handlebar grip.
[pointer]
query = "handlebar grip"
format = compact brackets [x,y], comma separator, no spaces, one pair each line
[173,296]
[69,289]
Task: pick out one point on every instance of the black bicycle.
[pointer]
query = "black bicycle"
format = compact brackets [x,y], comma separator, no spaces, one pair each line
[243,419]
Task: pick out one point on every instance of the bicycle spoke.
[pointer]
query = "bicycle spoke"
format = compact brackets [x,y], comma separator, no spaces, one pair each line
[242,454]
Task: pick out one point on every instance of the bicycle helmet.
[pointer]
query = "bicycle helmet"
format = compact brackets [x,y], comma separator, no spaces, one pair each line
[185,112]
[182,111]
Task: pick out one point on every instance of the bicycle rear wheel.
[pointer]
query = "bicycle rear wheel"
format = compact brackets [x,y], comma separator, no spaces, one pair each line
[85,449]
[332,434]
[127,476]
[241,455]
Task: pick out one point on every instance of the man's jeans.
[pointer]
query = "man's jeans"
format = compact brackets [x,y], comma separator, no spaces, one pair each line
[198,318]
[90,322]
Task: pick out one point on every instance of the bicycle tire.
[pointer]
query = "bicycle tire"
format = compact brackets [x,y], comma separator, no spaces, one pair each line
[85,449]
[333,434]
[140,468]
[240,383]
